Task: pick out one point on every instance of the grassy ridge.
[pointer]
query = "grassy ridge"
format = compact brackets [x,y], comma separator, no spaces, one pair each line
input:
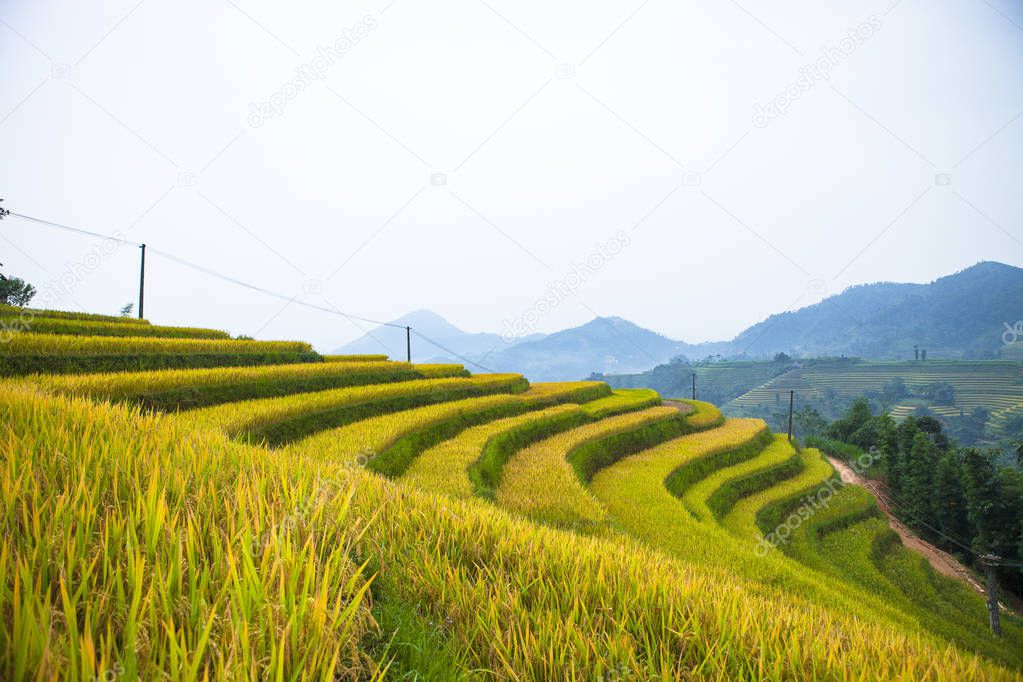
[62,344]
[27,353]
[35,313]
[717,492]
[815,472]
[288,418]
[622,400]
[53,325]
[444,468]
[540,482]
[187,389]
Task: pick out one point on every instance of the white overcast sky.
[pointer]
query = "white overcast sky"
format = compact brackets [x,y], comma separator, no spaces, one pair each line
[557,125]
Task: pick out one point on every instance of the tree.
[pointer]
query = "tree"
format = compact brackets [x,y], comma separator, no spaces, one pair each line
[809,422]
[888,448]
[856,417]
[15,291]
[920,465]
[947,501]
[126,309]
[980,488]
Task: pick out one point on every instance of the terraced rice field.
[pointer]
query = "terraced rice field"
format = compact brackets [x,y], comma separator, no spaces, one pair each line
[996,386]
[354,518]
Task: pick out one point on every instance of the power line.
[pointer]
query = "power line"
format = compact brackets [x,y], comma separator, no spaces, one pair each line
[68,228]
[208,271]
[448,350]
[253,287]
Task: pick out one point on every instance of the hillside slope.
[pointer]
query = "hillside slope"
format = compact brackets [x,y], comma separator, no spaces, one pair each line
[229,521]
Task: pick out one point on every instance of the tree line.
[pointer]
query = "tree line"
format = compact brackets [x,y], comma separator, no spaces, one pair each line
[966,500]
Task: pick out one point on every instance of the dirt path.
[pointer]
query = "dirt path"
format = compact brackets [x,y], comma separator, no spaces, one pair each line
[684,408]
[942,562]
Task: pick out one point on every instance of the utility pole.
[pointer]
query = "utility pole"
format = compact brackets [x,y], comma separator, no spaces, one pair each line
[989,561]
[694,385]
[792,402]
[408,343]
[142,283]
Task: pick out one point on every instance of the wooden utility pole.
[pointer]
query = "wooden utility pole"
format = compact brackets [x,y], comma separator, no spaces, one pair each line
[792,402]
[142,283]
[989,561]
[408,343]
[694,385]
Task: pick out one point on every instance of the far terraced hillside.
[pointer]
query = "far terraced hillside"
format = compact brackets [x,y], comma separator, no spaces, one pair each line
[988,392]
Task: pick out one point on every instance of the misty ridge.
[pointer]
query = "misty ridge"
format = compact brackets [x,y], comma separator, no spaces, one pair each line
[960,316]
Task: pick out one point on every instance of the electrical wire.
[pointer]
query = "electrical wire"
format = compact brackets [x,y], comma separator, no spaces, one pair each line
[448,350]
[68,228]
[252,287]
[208,271]
[268,292]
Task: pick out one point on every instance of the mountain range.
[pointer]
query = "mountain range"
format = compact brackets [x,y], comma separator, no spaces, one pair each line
[961,315]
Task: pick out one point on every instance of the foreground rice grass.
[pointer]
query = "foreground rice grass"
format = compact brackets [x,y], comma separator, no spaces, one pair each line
[540,483]
[188,556]
[177,389]
[536,603]
[133,546]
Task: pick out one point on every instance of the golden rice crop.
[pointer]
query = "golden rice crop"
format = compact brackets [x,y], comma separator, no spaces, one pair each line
[567,391]
[133,547]
[61,344]
[539,482]
[355,358]
[704,415]
[534,603]
[51,325]
[633,493]
[151,522]
[35,313]
[361,442]
[128,385]
[742,518]
[623,400]
[236,418]
[696,497]
[365,440]
[443,468]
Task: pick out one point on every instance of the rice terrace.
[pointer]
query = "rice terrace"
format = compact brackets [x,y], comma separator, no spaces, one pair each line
[497,341]
[208,507]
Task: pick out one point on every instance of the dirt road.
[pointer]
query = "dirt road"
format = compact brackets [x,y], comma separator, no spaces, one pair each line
[942,562]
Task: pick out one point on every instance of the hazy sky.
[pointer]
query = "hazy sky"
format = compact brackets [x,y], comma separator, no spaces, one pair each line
[713,162]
